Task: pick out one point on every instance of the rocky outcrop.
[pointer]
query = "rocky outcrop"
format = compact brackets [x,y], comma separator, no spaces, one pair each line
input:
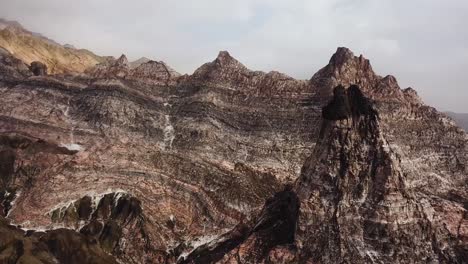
[38,68]
[114,69]
[356,201]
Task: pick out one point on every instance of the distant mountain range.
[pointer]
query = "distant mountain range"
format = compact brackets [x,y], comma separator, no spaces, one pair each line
[460,118]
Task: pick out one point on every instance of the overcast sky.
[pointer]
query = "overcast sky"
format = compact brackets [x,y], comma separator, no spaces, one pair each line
[424,43]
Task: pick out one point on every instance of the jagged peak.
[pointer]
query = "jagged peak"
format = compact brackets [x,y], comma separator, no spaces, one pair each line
[341,56]
[346,69]
[390,81]
[224,54]
[152,64]
[122,60]
[225,59]
[344,56]
[412,95]
[223,63]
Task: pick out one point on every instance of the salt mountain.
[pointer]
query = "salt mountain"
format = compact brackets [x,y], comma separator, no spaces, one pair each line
[139,164]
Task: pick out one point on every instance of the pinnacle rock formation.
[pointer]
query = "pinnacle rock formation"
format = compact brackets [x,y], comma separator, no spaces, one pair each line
[114,69]
[123,164]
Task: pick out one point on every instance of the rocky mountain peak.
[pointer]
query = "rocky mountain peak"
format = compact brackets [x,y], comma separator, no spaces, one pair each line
[223,64]
[344,68]
[341,56]
[412,96]
[156,72]
[226,71]
[122,60]
[225,59]
[344,60]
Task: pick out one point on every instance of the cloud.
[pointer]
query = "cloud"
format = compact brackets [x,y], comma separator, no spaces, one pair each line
[422,42]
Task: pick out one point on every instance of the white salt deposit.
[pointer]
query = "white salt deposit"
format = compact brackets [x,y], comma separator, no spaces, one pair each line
[168,132]
[72,146]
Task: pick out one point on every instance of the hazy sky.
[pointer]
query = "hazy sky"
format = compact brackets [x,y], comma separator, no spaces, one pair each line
[424,43]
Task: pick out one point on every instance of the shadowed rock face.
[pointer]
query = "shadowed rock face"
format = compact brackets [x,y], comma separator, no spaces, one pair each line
[60,245]
[348,103]
[38,68]
[252,242]
[149,169]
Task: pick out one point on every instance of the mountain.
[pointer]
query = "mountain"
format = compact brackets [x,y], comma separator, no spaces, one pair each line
[227,165]
[460,118]
[138,62]
[29,46]
[155,72]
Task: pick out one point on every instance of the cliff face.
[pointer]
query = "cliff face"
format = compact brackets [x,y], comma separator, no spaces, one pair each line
[360,205]
[230,165]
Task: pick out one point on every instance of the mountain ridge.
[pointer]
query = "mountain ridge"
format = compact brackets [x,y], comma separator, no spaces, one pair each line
[29,46]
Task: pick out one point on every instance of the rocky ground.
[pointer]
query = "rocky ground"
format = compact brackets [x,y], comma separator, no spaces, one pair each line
[136,163]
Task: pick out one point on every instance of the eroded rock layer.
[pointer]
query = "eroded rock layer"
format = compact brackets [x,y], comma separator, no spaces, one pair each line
[143,165]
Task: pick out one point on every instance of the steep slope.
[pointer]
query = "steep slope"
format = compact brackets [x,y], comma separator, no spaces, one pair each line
[358,205]
[28,47]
